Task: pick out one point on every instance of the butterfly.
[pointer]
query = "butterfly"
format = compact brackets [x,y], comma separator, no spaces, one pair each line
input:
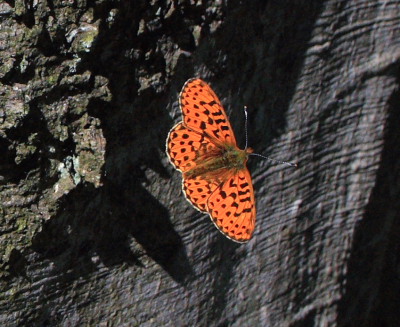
[215,179]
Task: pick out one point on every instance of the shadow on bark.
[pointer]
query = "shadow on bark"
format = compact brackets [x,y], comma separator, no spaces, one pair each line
[372,287]
[102,221]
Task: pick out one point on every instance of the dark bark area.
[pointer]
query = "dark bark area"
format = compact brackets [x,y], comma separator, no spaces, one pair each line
[94,227]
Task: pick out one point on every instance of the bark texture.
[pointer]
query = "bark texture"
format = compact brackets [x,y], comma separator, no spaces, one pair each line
[94,228]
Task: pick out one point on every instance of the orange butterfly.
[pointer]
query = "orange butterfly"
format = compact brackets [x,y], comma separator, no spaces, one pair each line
[215,177]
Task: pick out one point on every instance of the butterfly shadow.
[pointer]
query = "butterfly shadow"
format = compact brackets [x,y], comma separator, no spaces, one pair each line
[150,225]
[109,226]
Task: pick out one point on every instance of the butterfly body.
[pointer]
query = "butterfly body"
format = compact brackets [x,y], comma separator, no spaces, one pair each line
[215,177]
[211,163]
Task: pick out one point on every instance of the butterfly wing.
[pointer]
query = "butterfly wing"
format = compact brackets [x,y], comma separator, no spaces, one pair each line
[197,191]
[184,145]
[232,207]
[203,112]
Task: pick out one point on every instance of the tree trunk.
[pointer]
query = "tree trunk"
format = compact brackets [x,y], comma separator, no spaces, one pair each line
[95,228]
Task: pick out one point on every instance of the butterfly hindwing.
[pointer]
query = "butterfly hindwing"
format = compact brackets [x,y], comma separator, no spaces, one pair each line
[197,191]
[232,207]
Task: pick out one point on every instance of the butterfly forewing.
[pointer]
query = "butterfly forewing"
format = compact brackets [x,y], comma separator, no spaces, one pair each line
[203,112]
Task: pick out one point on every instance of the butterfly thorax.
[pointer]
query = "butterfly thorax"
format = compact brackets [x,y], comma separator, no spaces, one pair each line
[212,162]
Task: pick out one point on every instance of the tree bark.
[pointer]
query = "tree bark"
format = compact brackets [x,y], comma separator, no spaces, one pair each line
[95,229]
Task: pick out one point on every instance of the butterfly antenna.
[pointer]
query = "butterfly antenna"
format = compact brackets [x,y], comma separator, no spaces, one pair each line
[291,164]
[245,123]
